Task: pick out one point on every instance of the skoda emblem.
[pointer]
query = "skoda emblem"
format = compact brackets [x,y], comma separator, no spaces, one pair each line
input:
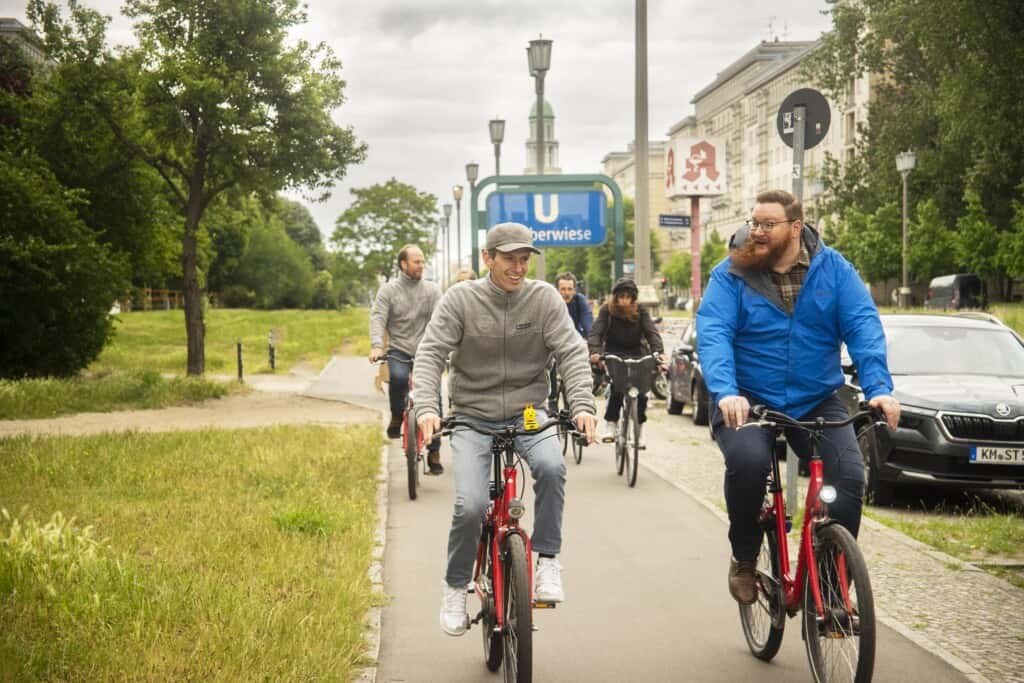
[1002,410]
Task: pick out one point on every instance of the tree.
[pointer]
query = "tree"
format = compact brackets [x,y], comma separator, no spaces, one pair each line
[931,251]
[677,270]
[948,88]
[977,242]
[712,252]
[221,104]
[274,269]
[382,219]
[57,282]
[302,228]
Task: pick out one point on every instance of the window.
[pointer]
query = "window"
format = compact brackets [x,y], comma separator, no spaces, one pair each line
[851,127]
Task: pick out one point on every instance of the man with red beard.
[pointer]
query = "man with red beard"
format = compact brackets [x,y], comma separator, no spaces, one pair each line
[769,331]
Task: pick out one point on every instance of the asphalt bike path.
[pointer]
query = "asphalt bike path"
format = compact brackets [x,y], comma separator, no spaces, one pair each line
[644,571]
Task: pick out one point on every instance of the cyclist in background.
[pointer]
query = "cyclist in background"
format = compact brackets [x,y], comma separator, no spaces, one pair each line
[402,309]
[582,320]
[769,332]
[503,329]
[621,328]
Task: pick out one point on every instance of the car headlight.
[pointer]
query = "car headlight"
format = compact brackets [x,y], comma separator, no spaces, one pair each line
[912,416]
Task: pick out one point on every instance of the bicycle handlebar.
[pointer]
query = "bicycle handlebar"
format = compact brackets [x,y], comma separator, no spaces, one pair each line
[767,417]
[387,356]
[448,424]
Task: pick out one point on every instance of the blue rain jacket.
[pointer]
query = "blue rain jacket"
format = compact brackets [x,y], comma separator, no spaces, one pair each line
[748,344]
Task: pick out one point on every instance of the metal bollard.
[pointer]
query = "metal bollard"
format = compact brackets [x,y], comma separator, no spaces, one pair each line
[239,347]
[270,349]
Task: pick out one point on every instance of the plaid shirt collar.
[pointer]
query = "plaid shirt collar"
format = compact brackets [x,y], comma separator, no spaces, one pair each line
[790,282]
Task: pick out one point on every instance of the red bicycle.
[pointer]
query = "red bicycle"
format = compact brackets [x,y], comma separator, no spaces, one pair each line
[831,586]
[412,440]
[503,574]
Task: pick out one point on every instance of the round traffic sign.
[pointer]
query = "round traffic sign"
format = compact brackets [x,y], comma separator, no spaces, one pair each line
[817,117]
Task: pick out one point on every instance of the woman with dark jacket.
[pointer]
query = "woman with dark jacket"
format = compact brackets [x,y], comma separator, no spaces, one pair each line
[621,328]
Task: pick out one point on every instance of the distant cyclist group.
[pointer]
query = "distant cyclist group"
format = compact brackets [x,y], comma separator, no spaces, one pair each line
[770,327]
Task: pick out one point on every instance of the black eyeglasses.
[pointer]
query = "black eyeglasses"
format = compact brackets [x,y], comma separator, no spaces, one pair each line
[766,226]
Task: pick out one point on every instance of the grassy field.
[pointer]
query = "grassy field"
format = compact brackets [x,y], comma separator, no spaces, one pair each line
[209,555]
[155,340]
[103,392]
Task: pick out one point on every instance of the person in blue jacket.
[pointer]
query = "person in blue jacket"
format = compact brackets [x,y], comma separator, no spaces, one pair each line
[769,331]
[582,319]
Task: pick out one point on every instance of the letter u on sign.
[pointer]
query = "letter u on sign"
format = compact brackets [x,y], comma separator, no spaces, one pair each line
[538,208]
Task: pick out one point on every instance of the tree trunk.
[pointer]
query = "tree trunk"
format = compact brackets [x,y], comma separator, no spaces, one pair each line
[195,328]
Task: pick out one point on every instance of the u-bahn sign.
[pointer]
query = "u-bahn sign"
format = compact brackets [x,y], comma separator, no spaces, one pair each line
[558,219]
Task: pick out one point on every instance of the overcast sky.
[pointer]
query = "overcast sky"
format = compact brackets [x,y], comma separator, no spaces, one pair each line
[425,76]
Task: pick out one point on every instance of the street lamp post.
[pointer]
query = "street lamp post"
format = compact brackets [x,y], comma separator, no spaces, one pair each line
[497,129]
[905,162]
[472,173]
[457,194]
[539,56]
[447,208]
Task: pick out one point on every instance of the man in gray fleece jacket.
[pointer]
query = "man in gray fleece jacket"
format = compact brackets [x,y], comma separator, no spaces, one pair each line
[502,329]
[402,309]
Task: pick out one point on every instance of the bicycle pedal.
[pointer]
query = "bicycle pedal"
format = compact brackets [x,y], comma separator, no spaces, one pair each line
[538,604]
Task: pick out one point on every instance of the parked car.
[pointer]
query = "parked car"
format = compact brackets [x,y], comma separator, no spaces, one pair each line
[686,383]
[963,290]
[960,382]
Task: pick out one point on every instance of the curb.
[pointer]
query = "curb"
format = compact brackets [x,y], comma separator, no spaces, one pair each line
[921,641]
[372,627]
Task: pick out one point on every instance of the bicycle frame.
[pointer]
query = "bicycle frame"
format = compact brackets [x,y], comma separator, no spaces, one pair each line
[501,524]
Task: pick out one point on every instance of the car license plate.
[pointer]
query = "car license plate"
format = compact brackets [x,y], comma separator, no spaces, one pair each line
[987,455]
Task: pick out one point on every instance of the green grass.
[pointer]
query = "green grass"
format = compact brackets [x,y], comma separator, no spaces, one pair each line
[207,555]
[155,340]
[971,533]
[39,398]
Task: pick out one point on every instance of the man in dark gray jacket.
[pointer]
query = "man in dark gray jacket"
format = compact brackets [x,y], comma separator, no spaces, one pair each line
[402,309]
[503,329]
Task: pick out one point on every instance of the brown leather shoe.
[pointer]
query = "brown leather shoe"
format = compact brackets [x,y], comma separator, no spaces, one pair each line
[434,462]
[741,581]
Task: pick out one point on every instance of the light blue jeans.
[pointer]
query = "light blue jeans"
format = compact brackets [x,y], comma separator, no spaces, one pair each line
[471,456]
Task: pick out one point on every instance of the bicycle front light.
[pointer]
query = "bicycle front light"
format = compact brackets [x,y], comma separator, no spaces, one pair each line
[516,509]
[633,392]
[827,494]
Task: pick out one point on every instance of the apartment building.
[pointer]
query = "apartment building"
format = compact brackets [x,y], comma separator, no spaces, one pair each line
[621,167]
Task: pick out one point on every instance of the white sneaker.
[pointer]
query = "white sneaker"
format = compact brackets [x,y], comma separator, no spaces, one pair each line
[454,618]
[609,432]
[548,580]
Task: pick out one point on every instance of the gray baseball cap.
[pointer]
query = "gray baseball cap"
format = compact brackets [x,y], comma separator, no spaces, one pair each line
[509,237]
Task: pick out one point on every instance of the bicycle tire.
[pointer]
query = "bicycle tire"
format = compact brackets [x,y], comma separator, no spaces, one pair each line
[517,637]
[843,647]
[633,444]
[577,451]
[764,622]
[563,409]
[493,646]
[620,440]
[410,439]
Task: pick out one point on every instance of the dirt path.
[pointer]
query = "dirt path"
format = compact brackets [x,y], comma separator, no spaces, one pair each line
[268,405]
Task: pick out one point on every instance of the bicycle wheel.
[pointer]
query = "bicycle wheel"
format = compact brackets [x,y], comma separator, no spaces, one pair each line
[563,410]
[577,451]
[493,646]
[842,646]
[764,622]
[620,438]
[632,444]
[517,636]
[410,440]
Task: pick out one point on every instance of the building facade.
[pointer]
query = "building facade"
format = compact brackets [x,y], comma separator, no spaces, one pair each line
[24,37]
[621,167]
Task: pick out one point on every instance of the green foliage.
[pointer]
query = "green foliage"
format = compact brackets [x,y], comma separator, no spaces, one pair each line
[275,269]
[57,282]
[977,242]
[135,389]
[1011,251]
[153,557]
[382,219]
[931,251]
[712,252]
[946,86]
[677,270]
[302,229]
[872,242]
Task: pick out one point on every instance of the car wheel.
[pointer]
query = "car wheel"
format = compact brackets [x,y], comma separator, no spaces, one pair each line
[674,407]
[700,404]
[877,491]
[659,387]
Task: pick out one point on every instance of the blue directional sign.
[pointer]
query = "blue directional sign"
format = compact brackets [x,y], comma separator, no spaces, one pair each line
[673,220]
[563,219]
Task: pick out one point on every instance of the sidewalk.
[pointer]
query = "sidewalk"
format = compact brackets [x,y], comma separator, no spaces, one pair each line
[973,620]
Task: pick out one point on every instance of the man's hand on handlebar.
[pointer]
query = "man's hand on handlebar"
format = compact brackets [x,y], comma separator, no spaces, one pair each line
[889,406]
[587,423]
[735,410]
[595,358]
[428,424]
[376,355]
